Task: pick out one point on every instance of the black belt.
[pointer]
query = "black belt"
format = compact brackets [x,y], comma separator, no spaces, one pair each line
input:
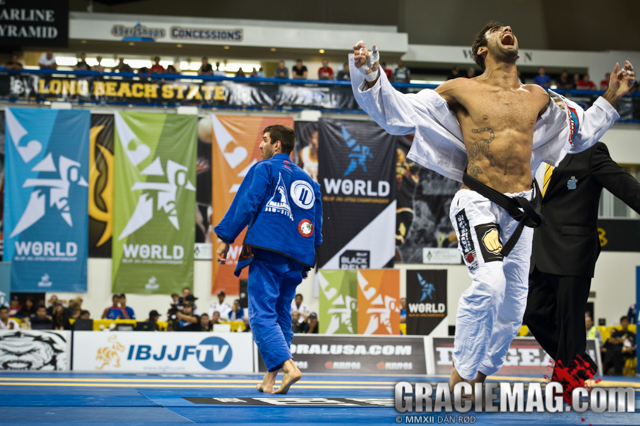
[519,208]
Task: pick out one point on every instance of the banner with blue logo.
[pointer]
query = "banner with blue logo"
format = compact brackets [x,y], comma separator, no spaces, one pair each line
[356,171]
[46,220]
[426,301]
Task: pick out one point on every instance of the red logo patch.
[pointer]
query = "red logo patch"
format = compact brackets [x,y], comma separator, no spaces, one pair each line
[305,228]
[470,257]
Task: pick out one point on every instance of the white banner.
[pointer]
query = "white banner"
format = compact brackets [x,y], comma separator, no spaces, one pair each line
[35,350]
[441,256]
[184,352]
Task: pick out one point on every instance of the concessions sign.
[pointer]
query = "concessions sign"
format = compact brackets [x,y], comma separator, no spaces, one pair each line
[35,350]
[357,354]
[34,23]
[186,352]
[525,357]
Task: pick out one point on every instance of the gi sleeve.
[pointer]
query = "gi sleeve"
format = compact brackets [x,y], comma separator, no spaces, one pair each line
[245,204]
[615,178]
[318,220]
[587,127]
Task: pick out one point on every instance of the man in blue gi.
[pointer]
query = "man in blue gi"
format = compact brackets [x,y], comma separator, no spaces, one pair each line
[282,207]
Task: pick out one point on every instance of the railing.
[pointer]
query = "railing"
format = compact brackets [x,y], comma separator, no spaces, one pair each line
[162,90]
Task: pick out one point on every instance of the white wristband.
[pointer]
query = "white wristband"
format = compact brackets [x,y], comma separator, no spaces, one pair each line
[372,76]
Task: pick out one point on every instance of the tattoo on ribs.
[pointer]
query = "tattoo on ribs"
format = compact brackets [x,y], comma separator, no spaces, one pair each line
[480,150]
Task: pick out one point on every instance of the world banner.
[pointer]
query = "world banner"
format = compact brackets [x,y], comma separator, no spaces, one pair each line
[338,312]
[235,149]
[356,174]
[46,222]
[379,301]
[101,174]
[426,300]
[154,208]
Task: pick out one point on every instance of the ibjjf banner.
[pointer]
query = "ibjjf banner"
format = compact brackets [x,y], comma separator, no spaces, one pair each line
[338,312]
[356,174]
[46,222]
[235,149]
[101,168]
[155,198]
[426,300]
[379,301]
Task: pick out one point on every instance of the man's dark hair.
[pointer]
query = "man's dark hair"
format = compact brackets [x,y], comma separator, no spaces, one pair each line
[85,312]
[122,296]
[481,40]
[299,294]
[298,60]
[284,134]
[114,296]
[4,308]
[624,317]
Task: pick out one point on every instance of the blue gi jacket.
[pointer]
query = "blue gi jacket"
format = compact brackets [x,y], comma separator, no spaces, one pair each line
[282,207]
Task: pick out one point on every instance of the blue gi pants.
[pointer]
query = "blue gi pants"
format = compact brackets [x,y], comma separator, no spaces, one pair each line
[273,279]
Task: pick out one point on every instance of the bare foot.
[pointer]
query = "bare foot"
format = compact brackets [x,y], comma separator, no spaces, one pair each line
[267,382]
[480,378]
[454,379]
[291,375]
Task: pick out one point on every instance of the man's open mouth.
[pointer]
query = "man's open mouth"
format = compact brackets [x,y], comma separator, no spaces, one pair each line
[508,40]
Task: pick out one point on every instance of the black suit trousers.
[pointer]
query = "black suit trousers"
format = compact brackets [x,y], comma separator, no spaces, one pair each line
[555,314]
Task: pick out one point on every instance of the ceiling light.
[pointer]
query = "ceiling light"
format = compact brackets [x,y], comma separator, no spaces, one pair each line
[84,42]
[226,48]
[273,49]
[131,43]
[321,50]
[178,45]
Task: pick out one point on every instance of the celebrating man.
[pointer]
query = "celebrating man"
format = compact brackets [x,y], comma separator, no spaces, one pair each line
[282,207]
[491,133]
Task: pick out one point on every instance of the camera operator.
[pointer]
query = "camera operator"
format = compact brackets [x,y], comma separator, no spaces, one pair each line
[186,320]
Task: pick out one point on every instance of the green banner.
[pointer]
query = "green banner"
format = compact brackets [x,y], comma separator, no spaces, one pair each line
[338,302]
[154,203]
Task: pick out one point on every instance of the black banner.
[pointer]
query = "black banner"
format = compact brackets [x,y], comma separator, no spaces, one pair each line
[306,150]
[619,234]
[34,23]
[2,150]
[426,300]
[357,354]
[89,87]
[203,178]
[424,198]
[101,169]
[356,172]
[525,356]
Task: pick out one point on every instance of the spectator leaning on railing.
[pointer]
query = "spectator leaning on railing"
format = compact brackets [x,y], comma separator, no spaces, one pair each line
[156,68]
[218,71]
[586,83]
[401,74]
[205,67]
[564,81]
[281,71]
[48,61]
[325,72]
[122,67]
[343,74]
[299,70]
[14,64]
[542,79]
[99,68]
[82,63]
[454,73]
[604,84]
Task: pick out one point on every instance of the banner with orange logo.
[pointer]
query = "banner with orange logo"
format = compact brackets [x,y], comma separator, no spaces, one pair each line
[379,301]
[101,161]
[235,149]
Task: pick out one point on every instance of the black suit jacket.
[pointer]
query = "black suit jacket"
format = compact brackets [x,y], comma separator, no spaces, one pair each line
[569,244]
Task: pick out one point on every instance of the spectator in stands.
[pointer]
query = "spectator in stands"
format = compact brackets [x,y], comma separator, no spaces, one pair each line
[99,68]
[27,310]
[237,313]
[7,323]
[221,306]
[620,346]
[343,74]
[218,71]
[296,325]
[604,84]
[254,73]
[312,324]
[14,306]
[75,307]
[191,299]
[542,79]
[52,302]
[302,308]
[47,61]
[122,67]
[281,71]
[205,323]
[82,63]
[60,318]
[40,321]
[205,67]
[592,330]
[586,83]
[564,81]
[403,309]
[187,319]
[156,68]
[113,312]
[14,64]
[387,71]
[172,70]
[186,291]
[261,73]
[128,311]
[240,73]
[401,74]
[299,70]
[633,314]
[576,80]
[454,73]
[471,72]
[325,72]
[85,315]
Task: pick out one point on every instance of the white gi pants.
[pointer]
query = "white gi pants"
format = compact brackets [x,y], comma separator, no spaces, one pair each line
[490,311]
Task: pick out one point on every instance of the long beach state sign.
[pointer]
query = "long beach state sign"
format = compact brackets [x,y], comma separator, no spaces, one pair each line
[154,208]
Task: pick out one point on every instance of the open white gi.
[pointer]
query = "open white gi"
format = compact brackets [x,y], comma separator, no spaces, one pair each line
[490,311]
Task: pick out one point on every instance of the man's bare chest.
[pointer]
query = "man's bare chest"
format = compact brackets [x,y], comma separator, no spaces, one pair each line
[516,110]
